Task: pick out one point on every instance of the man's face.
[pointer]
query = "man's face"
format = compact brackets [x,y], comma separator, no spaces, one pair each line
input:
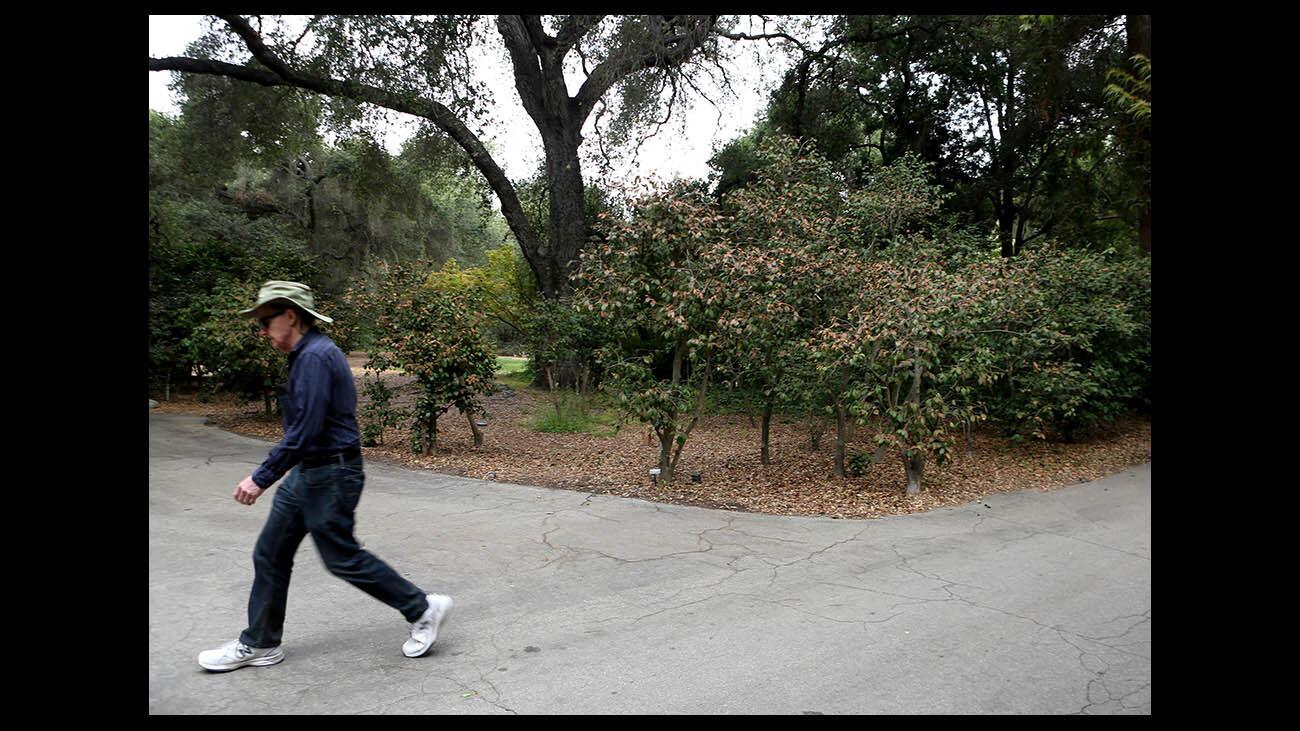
[277,323]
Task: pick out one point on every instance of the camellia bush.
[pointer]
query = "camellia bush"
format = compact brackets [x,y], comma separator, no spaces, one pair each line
[783,268]
[434,335]
[649,284]
[912,342]
[1073,342]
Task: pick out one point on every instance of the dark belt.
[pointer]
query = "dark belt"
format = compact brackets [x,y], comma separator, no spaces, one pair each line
[324,459]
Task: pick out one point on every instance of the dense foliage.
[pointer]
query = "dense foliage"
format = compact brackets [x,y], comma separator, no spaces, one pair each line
[648,283]
[1022,119]
[433,333]
[862,302]
[229,210]
[939,220]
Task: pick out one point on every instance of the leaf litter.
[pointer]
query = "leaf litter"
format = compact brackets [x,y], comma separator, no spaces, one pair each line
[724,450]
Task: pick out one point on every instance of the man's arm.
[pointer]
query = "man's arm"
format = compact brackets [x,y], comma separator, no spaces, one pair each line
[311,387]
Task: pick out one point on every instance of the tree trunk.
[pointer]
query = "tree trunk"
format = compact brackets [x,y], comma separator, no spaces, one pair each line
[816,427]
[431,436]
[1138,34]
[914,466]
[567,227]
[1020,233]
[550,384]
[473,426]
[767,428]
[1007,223]
[879,454]
[665,463]
[841,440]
[539,79]
[1007,168]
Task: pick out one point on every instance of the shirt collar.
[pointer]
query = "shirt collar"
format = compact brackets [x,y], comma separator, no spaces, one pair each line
[302,341]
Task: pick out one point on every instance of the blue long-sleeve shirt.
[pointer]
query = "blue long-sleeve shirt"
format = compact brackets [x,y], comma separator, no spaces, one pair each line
[318,406]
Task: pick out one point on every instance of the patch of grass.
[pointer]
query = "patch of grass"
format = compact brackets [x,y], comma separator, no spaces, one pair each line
[513,372]
[576,415]
[508,365]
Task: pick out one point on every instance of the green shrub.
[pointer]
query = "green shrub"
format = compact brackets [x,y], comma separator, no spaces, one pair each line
[435,336]
[859,462]
[1072,342]
[379,414]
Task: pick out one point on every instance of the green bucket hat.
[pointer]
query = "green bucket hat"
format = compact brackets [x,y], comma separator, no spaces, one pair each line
[292,292]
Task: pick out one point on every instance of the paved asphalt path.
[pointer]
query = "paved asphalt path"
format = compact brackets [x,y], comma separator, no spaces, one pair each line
[570,603]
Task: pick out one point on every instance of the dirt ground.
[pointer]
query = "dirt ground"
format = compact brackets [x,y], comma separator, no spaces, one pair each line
[724,451]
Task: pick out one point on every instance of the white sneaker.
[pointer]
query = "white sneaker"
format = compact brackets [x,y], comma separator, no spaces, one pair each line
[425,630]
[236,654]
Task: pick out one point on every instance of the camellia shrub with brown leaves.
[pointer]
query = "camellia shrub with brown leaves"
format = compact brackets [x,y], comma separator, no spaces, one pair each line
[434,335]
[785,270]
[912,342]
[1072,340]
[649,283]
[799,244]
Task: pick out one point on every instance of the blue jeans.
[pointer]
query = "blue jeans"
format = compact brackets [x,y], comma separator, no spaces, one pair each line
[320,500]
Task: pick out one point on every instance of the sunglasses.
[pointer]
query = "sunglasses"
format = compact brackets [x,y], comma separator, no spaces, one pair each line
[265,322]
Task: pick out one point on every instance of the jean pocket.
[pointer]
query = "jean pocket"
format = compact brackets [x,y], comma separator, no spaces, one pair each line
[315,478]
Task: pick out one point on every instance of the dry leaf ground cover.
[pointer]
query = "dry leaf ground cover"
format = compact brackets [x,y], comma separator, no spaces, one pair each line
[724,450]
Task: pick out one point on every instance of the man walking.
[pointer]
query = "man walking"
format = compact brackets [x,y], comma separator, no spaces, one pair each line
[321,452]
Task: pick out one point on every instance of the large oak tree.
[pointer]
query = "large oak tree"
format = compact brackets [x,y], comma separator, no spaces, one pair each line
[633,66]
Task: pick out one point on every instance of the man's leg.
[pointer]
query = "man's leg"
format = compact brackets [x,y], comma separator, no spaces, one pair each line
[273,562]
[329,498]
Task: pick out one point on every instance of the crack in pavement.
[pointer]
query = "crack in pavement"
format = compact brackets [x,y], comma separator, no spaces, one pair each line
[1061,632]
[474,694]
[1034,530]
[863,622]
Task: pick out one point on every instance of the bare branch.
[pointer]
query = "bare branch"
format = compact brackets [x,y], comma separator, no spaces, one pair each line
[765,37]
[612,70]
[310,24]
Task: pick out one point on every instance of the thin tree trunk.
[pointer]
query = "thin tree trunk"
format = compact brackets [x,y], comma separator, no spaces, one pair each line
[665,463]
[431,432]
[914,466]
[816,427]
[550,384]
[699,408]
[879,454]
[473,426]
[767,428]
[841,439]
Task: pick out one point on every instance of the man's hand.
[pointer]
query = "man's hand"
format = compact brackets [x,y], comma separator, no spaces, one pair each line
[247,492]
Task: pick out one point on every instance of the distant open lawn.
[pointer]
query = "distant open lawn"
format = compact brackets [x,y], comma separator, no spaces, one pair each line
[509,365]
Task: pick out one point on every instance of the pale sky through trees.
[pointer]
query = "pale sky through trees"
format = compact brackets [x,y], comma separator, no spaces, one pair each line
[515,141]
